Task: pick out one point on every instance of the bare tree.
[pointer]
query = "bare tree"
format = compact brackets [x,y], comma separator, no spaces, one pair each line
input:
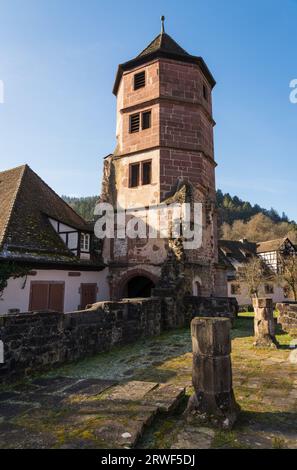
[253,275]
[288,273]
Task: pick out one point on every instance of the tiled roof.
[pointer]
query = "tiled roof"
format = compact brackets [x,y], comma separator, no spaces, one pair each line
[9,185]
[26,203]
[237,250]
[271,245]
[231,251]
[163,42]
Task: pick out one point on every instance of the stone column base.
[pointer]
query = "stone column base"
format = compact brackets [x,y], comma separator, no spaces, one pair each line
[220,410]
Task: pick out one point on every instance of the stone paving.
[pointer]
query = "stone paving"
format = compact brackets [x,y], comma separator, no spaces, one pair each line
[135,397]
[68,412]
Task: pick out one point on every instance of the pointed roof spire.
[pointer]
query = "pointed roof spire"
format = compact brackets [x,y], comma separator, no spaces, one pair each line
[162,24]
[163,46]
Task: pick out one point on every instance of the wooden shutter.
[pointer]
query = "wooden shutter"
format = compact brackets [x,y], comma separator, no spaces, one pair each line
[88,294]
[46,296]
[39,295]
[56,297]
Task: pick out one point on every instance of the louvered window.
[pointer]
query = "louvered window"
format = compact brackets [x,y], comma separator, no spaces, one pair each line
[134,122]
[139,80]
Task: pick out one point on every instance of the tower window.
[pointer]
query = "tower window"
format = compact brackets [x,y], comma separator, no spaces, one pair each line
[140,174]
[205,93]
[134,175]
[134,122]
[139,80]
[146,119]
[146,172]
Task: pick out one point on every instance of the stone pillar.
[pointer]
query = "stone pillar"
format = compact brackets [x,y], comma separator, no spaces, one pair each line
[264,323]
[213,399]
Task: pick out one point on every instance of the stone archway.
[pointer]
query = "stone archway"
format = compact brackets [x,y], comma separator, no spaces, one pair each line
[137,283]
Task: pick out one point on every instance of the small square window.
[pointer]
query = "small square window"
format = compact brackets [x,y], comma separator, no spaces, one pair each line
[134,175]
[146,119]
[146,172]
[134,122]
[139,80]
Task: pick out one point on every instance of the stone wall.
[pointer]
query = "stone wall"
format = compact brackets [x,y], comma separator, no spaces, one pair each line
[288,317]
[37,341]
[210,307]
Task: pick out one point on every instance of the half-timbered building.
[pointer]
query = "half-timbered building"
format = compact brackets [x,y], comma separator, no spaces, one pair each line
[54,245]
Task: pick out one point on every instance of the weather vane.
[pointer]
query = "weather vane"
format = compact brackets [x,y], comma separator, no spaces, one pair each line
[162,27]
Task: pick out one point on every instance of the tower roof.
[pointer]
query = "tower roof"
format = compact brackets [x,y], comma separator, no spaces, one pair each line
[163,42]
[163,46]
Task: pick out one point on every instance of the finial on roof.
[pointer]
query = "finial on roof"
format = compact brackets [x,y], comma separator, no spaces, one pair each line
[162,24]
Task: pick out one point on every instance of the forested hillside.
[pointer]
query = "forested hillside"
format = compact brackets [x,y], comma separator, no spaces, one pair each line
[84,206]
[237,219]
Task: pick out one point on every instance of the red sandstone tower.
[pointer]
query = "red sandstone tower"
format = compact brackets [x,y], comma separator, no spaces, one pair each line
[164,148]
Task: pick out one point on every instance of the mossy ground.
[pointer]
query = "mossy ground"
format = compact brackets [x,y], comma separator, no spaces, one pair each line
[265,386]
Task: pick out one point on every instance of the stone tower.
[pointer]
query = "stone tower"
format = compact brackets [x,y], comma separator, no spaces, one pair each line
[164,152]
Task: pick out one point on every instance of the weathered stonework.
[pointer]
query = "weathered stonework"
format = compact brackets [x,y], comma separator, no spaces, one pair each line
[288,317]
[264,323]
[38,341]
[179,145]
[213,399]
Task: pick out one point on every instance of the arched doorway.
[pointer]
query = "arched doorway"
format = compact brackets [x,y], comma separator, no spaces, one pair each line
[138,286]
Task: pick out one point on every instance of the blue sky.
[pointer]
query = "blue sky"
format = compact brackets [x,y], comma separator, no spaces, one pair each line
[58,60]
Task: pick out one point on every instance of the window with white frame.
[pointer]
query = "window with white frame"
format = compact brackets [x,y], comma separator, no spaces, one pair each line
[85,241]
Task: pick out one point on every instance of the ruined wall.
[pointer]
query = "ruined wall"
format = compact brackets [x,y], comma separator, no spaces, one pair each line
[37,341]
[210,307]
[288,317]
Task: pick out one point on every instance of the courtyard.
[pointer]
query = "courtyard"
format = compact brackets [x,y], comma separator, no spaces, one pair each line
[134,397]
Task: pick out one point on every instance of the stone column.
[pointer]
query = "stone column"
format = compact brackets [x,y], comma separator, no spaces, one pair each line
[264,323]
[213,399]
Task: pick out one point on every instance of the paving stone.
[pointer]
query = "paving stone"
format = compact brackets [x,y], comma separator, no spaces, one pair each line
[9,410]
[194,438]
[4,396]
[89,387]
[114,423]
[15,437]
[133,390]
[166,397]
[26,387]
[54,384]
[43,399]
